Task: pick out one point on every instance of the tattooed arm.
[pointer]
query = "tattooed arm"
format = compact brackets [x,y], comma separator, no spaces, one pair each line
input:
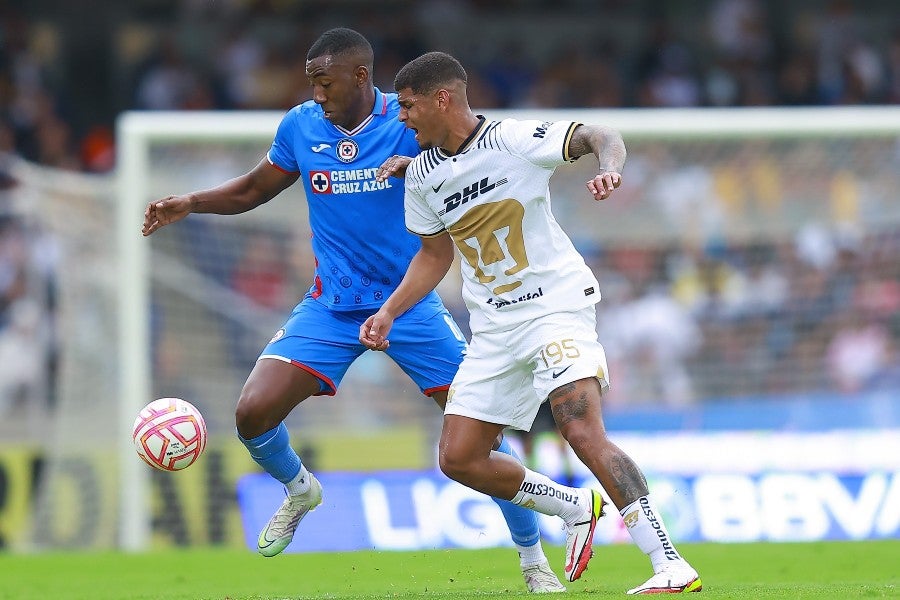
[609,148]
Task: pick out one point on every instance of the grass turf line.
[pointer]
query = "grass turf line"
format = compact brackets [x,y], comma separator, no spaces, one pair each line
[814,570]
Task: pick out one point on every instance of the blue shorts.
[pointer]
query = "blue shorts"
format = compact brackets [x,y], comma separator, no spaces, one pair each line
[425,342]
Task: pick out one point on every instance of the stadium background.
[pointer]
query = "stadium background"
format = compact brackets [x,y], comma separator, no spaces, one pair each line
[749,288]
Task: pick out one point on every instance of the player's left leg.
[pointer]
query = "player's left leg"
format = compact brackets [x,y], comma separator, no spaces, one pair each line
[427,344]
[576,382]
[576,407]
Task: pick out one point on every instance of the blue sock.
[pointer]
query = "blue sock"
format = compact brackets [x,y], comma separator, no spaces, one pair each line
[522,522]
[272,451]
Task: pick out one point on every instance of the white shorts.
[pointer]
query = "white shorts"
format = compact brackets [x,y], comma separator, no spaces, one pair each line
[506,376]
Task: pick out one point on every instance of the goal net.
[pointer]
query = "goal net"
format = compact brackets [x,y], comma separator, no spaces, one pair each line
[749,253]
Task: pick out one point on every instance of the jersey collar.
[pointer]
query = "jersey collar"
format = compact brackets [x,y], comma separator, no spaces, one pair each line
[378,109]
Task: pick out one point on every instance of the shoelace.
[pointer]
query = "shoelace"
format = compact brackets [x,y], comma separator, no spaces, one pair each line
[536,574]
[287,517]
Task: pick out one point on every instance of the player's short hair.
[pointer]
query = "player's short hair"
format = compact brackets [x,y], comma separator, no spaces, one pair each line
[341,41]
[429,72]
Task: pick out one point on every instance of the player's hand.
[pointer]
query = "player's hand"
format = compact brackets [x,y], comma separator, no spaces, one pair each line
[372,333]
[602,185]
[395,166]
[165,211]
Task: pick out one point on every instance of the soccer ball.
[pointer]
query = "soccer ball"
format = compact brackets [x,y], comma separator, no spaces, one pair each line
[169,434]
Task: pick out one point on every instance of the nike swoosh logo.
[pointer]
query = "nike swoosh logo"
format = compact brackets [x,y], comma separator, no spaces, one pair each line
[558,373]
[438,188]
[320,147]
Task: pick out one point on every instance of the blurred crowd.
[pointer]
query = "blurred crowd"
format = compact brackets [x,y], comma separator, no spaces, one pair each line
[819,313]
[59,98]
[817,310]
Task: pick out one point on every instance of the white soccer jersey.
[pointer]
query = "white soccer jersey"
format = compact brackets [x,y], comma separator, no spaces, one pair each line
[493,197]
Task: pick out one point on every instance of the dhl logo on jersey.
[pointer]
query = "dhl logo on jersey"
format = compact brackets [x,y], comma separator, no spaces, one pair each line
[346,181]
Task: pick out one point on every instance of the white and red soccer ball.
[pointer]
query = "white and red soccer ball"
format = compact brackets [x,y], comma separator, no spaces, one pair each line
[169,434]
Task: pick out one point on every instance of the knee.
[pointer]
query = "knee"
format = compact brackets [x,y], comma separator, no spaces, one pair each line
[453,465]
[583,434]
[250,415]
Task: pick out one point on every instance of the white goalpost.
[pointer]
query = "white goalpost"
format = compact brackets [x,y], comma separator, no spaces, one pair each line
[160,153]
[136,133]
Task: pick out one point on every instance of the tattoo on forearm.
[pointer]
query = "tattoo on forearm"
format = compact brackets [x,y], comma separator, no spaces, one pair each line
[605,143]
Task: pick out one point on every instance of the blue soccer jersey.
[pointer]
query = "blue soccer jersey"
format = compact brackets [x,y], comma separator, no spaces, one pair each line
[359,237]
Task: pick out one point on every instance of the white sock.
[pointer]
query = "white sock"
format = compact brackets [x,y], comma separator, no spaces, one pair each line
[539,492]
[531,555]
[300,483]
[649,532]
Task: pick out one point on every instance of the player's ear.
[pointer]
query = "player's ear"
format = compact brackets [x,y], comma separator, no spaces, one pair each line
[442,97]
[362,74]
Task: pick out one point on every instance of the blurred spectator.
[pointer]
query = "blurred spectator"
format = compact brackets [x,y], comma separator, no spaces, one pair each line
[859,352]
[796,80]
[766,283]
[650,339]
[22,353]
[261,275]
[261,272]
[168,81]
[24,326]
[667,76]
[893,68]
[510,74]
[740,30]
[98,151]
[839,29]
[239,56]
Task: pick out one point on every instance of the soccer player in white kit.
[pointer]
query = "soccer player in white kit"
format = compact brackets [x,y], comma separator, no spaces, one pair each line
[482,187]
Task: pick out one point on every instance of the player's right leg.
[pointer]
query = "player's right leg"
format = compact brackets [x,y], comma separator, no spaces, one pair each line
[465,456]
[294,365]
[272,390]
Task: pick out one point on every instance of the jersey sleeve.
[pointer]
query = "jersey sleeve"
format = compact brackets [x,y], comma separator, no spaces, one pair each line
[545,144]
[281,153]
[420,219]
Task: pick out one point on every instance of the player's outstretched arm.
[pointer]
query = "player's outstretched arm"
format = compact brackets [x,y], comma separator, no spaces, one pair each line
[234,196]
[425,272]
[609,148]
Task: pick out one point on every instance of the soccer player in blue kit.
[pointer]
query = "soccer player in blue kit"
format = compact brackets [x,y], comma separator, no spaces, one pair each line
[336,143]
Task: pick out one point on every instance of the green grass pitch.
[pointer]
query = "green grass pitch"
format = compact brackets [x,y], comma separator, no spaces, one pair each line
[834,570]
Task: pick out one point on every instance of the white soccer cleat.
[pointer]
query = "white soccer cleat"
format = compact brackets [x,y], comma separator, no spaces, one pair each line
[279,531]
[541,579]
[579,537]
[672,579]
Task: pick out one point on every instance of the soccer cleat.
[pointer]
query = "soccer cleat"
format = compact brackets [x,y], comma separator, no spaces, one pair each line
[540,579]
[279,531]
[579,537]
[676,579]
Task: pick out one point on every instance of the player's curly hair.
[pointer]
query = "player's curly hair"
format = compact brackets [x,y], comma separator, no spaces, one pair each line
[429,72]
[340,41]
